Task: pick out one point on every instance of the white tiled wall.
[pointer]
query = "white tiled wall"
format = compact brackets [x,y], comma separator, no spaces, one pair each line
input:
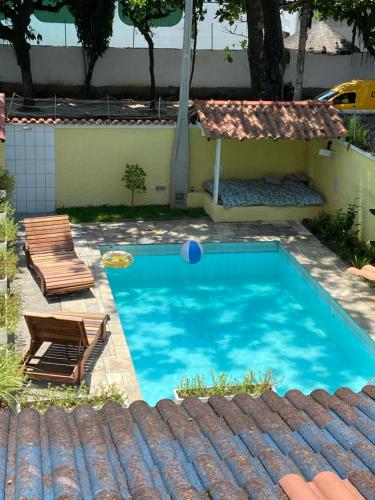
[30,155]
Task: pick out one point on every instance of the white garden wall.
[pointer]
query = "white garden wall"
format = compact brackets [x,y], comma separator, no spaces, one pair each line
[127,67]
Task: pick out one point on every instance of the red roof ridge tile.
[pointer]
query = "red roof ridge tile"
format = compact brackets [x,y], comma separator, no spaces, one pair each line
[84,121]
[325,486]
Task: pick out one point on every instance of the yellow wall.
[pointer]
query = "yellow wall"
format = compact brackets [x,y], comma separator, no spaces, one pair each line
[348,178]
[246,159]
[90,163]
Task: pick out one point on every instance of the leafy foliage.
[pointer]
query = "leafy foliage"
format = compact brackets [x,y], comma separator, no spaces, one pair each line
[19,33]
[8,263]
[265,47]
[10,305]
[360,14]
[68,397]
[93,20]
[142,13]
[358,134]
[7,180]
[134,177]
[339,232]
[225,385]
[12,379]
[8,230]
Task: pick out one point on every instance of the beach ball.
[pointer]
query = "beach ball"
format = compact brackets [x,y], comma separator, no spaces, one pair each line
[191,251]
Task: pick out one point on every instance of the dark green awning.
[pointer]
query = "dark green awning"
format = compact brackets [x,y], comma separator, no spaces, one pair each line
[164,22]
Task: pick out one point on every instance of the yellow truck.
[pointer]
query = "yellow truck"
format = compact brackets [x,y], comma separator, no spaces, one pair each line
[354,95]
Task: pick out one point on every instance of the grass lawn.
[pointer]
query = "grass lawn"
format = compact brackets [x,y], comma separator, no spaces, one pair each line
[106,213]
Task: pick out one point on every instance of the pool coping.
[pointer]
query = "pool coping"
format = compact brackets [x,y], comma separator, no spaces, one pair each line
[113,364]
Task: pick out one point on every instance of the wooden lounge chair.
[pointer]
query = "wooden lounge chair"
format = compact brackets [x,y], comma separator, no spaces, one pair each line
[78,332]
[367,272]
[50,252]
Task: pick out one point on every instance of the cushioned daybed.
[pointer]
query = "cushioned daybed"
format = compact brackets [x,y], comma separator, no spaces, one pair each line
[244,193]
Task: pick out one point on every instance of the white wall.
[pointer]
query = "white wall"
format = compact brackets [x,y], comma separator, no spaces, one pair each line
[129,67]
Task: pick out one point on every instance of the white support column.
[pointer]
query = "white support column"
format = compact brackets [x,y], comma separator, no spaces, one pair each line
[217,170]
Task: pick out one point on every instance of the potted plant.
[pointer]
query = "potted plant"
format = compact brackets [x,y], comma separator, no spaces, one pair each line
[68,397]
[224,385]
[8,268]
[3,231]
[12,378]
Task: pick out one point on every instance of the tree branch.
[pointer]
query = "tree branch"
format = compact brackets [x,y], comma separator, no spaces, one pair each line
[6,33]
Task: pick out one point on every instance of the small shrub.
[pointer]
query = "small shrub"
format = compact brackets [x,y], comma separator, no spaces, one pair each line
[12,378]
[67,396]
[10,305]
[7,180]
[8,230]
[8,263]
[339,232]
[134,178]
[6,206]
[358,134]
[224,384]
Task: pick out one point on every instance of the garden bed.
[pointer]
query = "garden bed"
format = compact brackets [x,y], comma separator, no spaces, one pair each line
[107,213]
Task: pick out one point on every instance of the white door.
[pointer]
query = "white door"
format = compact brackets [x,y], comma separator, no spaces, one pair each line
[30,156]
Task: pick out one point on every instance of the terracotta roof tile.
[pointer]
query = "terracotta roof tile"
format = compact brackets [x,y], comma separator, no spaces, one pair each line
[326,485]
[269,120]
[2,117]
[272,447]
[83,121]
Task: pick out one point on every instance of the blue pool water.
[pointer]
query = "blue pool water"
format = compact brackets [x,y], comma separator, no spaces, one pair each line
[245,305]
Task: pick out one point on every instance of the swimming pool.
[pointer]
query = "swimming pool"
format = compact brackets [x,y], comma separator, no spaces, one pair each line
[245,305]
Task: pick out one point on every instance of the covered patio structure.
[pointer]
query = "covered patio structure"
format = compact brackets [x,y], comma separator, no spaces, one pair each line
[295,124]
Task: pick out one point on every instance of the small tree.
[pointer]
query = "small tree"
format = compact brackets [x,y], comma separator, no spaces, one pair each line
[143,13]
[19,33]
[93,21]
[134,177]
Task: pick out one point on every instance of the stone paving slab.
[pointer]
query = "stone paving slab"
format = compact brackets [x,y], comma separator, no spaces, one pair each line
[112,363]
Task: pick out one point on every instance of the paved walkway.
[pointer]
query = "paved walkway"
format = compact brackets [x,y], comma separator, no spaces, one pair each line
[112,364]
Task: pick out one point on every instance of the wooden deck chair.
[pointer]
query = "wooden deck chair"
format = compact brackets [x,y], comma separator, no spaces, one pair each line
[50,252]
[78,332]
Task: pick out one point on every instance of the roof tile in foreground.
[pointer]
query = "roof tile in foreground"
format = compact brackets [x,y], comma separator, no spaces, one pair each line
[313,447]
[269,120]
[2,117]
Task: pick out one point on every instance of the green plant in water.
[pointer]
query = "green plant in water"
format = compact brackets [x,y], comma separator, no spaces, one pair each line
[134,178]
[12,378]
[67,396]
[224,384]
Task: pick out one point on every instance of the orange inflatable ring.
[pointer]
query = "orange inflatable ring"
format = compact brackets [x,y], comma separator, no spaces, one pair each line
[117,258]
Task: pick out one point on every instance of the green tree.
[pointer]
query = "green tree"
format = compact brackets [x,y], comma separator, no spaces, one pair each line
[265,47]
[359,14]
[94,22]
[134,178]
[198,15]
[142,13]
[15,28]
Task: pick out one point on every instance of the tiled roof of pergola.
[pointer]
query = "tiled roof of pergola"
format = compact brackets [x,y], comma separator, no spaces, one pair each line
[269,120]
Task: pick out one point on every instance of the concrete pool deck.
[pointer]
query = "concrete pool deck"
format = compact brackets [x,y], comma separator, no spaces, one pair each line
[111,362]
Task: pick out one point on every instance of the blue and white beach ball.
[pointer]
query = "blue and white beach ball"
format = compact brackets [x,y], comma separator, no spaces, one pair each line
[191,251]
